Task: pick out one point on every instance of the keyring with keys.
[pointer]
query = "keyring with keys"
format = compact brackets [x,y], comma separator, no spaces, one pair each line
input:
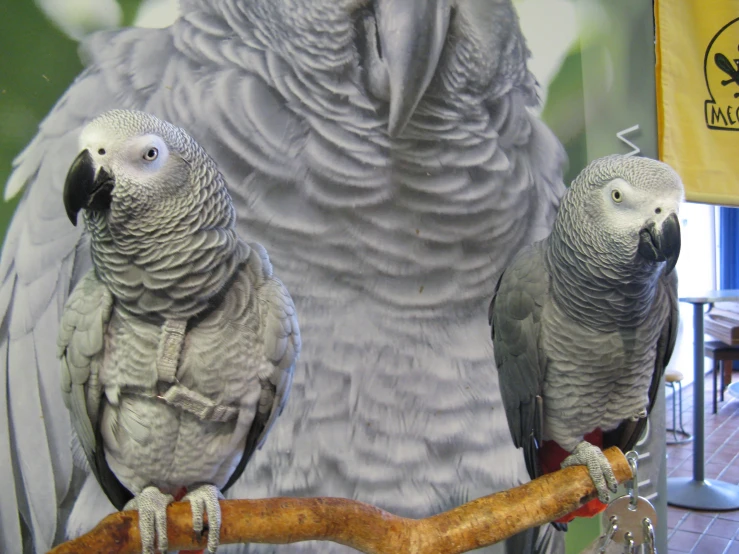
[631,518]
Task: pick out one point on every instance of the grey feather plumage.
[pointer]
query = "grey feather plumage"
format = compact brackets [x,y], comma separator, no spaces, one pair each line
[583,324]
[388,244]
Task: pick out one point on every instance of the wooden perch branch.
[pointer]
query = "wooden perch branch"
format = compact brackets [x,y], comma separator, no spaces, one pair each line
[363,527]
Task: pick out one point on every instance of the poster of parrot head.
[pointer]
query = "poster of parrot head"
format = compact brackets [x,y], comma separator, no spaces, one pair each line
[391,157]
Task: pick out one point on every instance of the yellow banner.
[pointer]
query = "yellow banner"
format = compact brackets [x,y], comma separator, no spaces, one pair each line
[698,95]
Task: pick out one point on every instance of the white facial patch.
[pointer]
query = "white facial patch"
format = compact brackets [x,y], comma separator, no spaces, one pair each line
[138,157]
[628,207]
[92,137]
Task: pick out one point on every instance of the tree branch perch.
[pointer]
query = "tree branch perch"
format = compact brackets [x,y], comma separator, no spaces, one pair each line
[363,527]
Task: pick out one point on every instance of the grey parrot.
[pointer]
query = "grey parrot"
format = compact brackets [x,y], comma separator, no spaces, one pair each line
[386,155]
[178,346]
[584,321]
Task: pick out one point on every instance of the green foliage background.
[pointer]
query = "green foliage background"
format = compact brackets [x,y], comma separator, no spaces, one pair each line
[37,64]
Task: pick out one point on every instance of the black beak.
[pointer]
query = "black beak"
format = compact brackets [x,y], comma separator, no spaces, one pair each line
[663,244]
[83,189]
[412,35]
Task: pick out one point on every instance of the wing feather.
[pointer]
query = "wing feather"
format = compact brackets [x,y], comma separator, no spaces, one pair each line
[515,317]
[81,347]
[281,345]
[629,432]
[9,524]
[30,438]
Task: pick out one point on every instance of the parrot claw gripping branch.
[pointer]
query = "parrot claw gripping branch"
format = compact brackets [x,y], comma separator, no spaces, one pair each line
[367,529]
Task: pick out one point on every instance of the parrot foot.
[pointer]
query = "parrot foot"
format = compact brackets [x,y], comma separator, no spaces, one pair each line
[585,454]
[204,499]
[151,504]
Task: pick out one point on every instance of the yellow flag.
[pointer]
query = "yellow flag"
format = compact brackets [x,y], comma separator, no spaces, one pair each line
[698,95]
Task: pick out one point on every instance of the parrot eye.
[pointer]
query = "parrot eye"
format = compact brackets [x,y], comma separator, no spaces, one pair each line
[101,151]
[616,195]
[151,154]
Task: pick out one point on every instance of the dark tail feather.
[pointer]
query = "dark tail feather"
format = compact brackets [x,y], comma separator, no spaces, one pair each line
[550,540]
[523,543]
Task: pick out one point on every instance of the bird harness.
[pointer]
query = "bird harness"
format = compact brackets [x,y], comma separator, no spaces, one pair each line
[171,391]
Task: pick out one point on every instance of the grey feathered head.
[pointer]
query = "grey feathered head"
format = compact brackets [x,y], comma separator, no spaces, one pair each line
[139,173]
[622,209]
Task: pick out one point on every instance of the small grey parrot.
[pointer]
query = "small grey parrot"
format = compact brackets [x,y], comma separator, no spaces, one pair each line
[387,156]
[178,347]
[584,321]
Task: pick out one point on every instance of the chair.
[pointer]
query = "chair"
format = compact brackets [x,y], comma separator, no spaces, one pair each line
[673,376]
[721,353]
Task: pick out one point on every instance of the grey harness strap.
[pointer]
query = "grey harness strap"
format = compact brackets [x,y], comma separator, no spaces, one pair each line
[170,348]
[175,394]
[197,404]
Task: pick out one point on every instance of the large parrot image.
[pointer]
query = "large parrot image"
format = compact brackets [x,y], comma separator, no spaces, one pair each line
[386,156]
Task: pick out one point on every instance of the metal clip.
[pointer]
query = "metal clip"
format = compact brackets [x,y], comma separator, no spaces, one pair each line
[629,547]
[633,488]
[650,546]
[608,537]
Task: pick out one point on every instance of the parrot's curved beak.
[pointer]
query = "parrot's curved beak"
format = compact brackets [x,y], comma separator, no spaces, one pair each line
[661,244]
[412,34]
[85,188]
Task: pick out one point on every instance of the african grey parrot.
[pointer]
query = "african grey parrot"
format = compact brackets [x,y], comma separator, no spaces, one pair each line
[386,155]
[178,347]
[584,321]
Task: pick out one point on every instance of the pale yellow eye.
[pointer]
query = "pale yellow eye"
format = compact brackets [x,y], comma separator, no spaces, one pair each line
[616,195]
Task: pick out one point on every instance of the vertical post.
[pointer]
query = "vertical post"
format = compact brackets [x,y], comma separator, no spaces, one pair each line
[698,393]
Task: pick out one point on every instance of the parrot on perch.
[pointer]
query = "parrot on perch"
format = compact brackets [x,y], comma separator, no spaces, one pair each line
[584,321]
[178,347]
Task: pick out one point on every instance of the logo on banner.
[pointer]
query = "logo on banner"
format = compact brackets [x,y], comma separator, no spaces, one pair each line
[721,68]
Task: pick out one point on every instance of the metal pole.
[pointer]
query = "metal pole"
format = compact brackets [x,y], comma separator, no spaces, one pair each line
[698,394]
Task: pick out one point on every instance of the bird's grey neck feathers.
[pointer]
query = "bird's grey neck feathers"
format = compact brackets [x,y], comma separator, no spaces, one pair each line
[169,260]
[167,276]
[595,284]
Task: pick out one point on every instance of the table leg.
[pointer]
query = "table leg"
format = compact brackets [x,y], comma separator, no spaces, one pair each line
[696,492]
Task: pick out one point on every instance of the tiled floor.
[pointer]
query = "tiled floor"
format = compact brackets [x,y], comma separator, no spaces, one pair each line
[706,532]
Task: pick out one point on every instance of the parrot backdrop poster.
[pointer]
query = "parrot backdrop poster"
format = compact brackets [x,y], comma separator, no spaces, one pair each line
[698,95]
[594,64]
